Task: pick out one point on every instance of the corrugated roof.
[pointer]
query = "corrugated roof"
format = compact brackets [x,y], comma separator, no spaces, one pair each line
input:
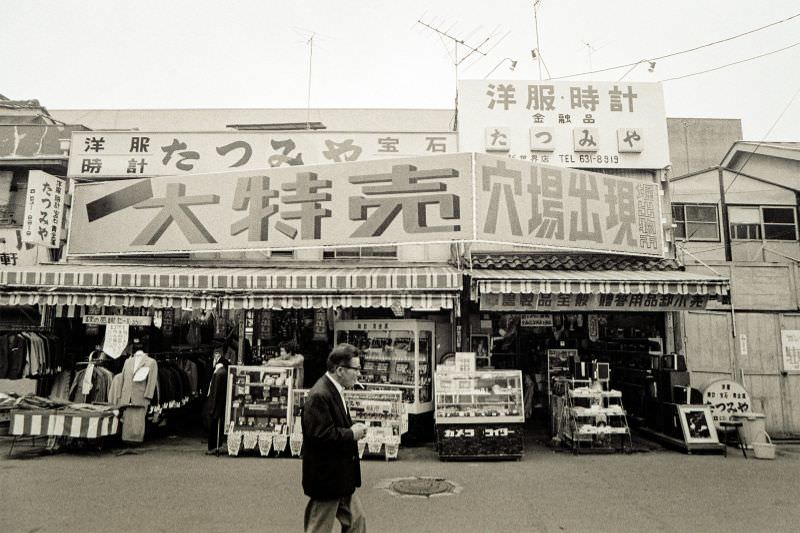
[582,262]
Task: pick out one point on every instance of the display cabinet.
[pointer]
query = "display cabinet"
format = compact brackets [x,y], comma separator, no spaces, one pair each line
[397,355]
[480,414]
[593,416]
[382,411]
[259,408]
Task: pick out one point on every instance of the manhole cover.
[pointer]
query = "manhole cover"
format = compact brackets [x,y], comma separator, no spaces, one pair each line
[419,487]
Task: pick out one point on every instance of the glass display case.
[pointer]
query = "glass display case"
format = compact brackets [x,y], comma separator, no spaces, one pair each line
[382,411]
[479,414]
[397,355]
[487,396]
[259,399]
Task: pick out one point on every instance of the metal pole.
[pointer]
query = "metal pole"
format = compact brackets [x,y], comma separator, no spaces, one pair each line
[308,101]
[536,24]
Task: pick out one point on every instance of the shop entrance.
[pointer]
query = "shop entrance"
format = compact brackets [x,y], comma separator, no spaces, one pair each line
[626,341]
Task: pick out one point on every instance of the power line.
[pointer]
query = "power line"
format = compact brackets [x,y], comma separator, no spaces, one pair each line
[672,54]
[758,145]
[734,63]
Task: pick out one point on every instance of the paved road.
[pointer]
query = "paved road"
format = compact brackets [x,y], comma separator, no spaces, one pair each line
[171,486]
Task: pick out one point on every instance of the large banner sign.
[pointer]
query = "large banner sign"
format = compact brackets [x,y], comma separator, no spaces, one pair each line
[521,203]
[397,201]
[583,302]
[370,202]
[103,154]
[584,124]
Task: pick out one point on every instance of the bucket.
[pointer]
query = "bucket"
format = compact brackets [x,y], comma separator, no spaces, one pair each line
[764,450]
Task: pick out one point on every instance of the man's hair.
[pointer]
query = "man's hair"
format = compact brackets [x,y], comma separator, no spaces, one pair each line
[291,347]
[341,355]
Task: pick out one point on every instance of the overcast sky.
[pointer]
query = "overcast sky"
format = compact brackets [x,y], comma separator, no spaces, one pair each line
[373,53]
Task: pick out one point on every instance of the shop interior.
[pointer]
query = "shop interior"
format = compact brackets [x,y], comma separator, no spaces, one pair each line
[182,342]
[628,342]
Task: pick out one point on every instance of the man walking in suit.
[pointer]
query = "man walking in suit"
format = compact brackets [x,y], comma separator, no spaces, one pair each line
[331,468]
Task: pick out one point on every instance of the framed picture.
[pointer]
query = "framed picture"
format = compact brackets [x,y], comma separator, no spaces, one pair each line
[697,424]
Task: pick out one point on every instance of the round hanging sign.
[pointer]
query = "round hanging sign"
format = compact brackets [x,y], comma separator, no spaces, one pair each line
[726,398]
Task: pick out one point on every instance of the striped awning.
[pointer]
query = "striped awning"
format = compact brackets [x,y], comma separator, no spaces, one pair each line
[54,423]
[418,302]
[412,278]
[157,301]
[596,282]
[416,287]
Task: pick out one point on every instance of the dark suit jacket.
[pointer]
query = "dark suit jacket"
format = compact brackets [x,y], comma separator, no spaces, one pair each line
[3,356]
[217,393]
[331,468]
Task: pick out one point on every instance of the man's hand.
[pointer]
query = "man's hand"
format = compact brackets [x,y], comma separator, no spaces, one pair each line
[359,430]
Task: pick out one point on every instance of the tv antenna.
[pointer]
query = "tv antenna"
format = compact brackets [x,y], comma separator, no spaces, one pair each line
[310,44]
[591,49]
[470,50]
[310,38]
[538,49]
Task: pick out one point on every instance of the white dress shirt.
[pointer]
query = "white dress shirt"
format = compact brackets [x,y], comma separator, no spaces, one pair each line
[339,389]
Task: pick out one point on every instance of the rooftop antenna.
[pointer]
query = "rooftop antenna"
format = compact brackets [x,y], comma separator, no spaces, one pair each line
[591,49]
[310,44]
[311,39]
[536,24]
[456,60]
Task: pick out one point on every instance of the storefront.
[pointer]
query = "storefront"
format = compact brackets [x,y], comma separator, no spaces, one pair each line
[178,314]
[557,322]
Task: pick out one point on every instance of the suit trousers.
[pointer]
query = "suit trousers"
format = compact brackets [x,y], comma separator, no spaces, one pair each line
[216,433]
[348,511]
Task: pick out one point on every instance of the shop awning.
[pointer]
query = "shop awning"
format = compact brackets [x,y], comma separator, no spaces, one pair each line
[157,301]
[508,281]
[417,302]
[424,287]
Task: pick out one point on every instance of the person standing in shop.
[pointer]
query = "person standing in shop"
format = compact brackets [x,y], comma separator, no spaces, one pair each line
[217,395]
[289,356]
[331,467]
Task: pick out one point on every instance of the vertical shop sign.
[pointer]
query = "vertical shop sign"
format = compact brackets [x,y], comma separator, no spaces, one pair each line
[790,341]
[320,324]
[167,321]
[594,327]
[44,208]
[743,344]
[265,325]
[116,339]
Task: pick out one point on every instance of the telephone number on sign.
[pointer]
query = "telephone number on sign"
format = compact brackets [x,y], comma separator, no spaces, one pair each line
[591,158]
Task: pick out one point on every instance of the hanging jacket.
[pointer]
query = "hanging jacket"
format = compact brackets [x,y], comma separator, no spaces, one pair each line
[138,393]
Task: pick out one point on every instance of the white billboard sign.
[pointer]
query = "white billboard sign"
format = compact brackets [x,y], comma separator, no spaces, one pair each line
[578,124]
[134,154]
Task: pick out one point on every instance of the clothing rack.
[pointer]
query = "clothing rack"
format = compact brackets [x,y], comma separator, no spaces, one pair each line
[165,356]
[18,328]
[96,362]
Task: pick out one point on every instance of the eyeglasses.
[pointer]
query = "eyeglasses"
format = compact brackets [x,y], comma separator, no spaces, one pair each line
[351,367]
